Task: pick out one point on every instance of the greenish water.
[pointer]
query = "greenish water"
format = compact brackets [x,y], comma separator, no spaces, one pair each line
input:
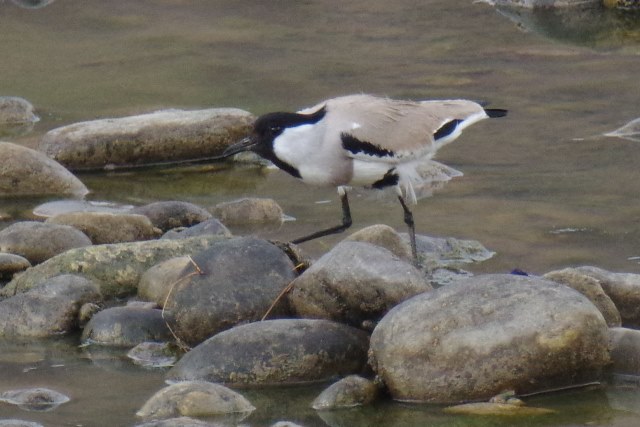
[541,187]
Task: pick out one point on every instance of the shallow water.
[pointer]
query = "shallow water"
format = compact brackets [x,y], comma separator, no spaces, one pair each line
[541,187]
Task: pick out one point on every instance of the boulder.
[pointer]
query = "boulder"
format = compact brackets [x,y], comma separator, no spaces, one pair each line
[476,338]
[355,283]
[37,241]
[282,351]
[624,291]
[106,227]
[349,392]
[27,172]
[115,268]
[194,399]
[386,237]
[126,327]
[161,137]
[49,309]
[172,214]
[11,264]
[625,351]
[156,283]
[237,281]
[589,287]
[248,211]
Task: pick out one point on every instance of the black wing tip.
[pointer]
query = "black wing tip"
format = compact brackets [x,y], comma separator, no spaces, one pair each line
[495,112]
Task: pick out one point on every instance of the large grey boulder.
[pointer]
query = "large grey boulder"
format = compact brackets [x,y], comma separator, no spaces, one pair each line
[162,136]
[623,289]
[236,281]
[107,227]
[37,241]
[49,309]
[115,268]
[476,338]
[27,172]
[283,351]
[194,399]
[355,283]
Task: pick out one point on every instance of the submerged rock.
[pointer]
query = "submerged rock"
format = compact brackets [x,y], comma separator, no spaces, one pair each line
[497,409]
[15,110]
[34,399]
[173,214]
[349,392]
[355,283]
[27,172]
[154,354]
[284,351]
[162,137]
[49,309]
[625,351]
[248,211]
[106,227]
[181,422]
[210,226]
[237,281]
[115,268]
[126,327]
[195,399]
[475,338]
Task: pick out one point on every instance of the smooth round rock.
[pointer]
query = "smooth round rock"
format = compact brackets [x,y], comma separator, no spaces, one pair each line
[237,281]
[355,283]
[349,392]
[476,338]
[11,264]
[248,211]
[27,172]
[126,327]
[154,354]
[173,214]
[38,241]
[19,423]
[106,227]
[625,351]
[160,137]
[194,399]
[34,399]
[156,283]
[210,226]
[283,351]
[181,422]
[16,110]
[384,236]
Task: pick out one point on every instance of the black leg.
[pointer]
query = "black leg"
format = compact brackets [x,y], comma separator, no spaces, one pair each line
[408,219]
[346,223]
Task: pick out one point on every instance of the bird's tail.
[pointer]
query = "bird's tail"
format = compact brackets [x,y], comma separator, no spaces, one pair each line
[495,112]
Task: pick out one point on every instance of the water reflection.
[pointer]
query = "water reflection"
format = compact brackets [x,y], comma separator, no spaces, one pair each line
[32,4]
[591,26]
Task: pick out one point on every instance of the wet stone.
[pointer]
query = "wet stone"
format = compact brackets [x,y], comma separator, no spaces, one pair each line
[19,423]
[27,172]
[207,227]
[38,241]
[195,399]
[161,137]
[173,214]
[248,211]
[384,236]
[284,351]
[154,354]
[34,399]
[14,110]
[156,283]
[104,227]
[349,392]
[126,327]
[625,351]
[181,422]
[11,264]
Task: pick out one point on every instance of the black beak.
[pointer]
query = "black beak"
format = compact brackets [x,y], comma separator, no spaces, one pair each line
[245,144]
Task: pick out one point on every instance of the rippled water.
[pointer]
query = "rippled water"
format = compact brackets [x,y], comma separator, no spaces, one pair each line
[542,188]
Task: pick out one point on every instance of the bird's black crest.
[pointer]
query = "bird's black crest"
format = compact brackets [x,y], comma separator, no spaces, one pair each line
[355,146]
[389,179]
[266,125]
[446,129]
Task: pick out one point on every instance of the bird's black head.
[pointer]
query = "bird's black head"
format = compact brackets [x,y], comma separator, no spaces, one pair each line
[268,127]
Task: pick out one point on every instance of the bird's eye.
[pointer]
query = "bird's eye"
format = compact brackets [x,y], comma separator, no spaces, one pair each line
[275,129]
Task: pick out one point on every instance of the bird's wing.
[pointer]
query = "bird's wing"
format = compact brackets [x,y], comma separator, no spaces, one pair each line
[372,127]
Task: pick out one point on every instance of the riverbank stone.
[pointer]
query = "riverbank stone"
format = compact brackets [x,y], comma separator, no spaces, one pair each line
[281,351]
[209,226]
[34,399]
[37,241]
[116,268]
[355,283]
[49,309]
[195,399]
[11,264]
[16,110]
[235,281]
[349,392]
[126,327]
[161,137]
[27,172]
[384,236]
[157,282]
[167,215]
[589,287]
[480,336]
[624,291]
[625,351]
[249,210]
[106,227]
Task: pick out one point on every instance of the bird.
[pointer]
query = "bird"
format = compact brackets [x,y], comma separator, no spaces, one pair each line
[362,140]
